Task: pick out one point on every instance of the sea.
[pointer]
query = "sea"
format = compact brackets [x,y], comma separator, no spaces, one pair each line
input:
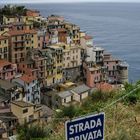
[114,26]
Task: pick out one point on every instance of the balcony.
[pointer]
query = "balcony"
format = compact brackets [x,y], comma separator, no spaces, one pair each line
[18,41]
[19,47]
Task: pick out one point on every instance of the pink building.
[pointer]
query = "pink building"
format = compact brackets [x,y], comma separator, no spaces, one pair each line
[43,39]
[93,74]
[7,70]
[111,64]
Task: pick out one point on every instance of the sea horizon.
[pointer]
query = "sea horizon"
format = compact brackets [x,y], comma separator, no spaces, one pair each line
[114,26]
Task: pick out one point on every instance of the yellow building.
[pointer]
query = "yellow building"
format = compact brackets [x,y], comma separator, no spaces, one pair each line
[71,61]
[57,57]
[3,28]
[54,64]
[4,47]
[26,112]
[74,32]
[8,19]
[65,86]
[13,19]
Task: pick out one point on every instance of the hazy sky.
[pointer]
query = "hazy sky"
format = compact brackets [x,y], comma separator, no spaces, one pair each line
[39,1]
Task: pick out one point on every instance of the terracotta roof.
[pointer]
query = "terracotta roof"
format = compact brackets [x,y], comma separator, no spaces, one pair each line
[104,87]
[27,78]
[21,32]
[4,63]
[3,37]
[32,10]
[87,37]
[61,30]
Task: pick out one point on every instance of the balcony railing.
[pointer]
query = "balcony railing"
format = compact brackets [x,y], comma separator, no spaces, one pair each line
[19,47]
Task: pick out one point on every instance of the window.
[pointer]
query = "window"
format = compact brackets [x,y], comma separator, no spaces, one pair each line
[5,49]
[28,98]
[5,55]
[25,110]
[21,54]
[5,41]
[0,50]
[15,55]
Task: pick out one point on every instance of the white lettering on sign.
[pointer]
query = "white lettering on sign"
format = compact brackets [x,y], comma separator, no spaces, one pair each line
[86,128]
[88,136]
[76,128]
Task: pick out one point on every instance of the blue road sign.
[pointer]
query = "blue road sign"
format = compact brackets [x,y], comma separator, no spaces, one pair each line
[86,128]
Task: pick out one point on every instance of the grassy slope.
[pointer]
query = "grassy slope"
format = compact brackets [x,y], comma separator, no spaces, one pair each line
[122,120]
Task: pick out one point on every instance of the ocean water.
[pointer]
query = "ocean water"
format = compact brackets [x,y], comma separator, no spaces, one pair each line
[114,26]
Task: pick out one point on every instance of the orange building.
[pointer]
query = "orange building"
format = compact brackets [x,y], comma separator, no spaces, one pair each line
[19,42]
[62,35]
[32,13]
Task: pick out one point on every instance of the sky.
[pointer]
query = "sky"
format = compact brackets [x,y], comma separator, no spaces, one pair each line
[58,1]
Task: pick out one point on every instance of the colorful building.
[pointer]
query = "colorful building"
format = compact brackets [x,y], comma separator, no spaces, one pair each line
[72,61]
[92,73]
[8,124]
[86,40]
[32,13]
[34,65]
[31,88]
[19,42]
[7,70]
[55,74]
[26,112]
[9,92]
[43,39]
[4,50]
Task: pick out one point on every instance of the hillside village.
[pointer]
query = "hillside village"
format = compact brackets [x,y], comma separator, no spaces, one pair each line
[47,63]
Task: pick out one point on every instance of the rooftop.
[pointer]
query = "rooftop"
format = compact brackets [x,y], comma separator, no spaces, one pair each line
[27,78]
[123,64]
[9,116]
[87,37]
[21,32]
[4,63]
[61,30]
[104,87]
[6,85]
[4,97]
[22,104]
[55,47]
[81,89]
[65,94]
[94,68]
[3,37]
[98,49]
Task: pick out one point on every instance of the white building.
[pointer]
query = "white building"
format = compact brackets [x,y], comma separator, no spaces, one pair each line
[31,88]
